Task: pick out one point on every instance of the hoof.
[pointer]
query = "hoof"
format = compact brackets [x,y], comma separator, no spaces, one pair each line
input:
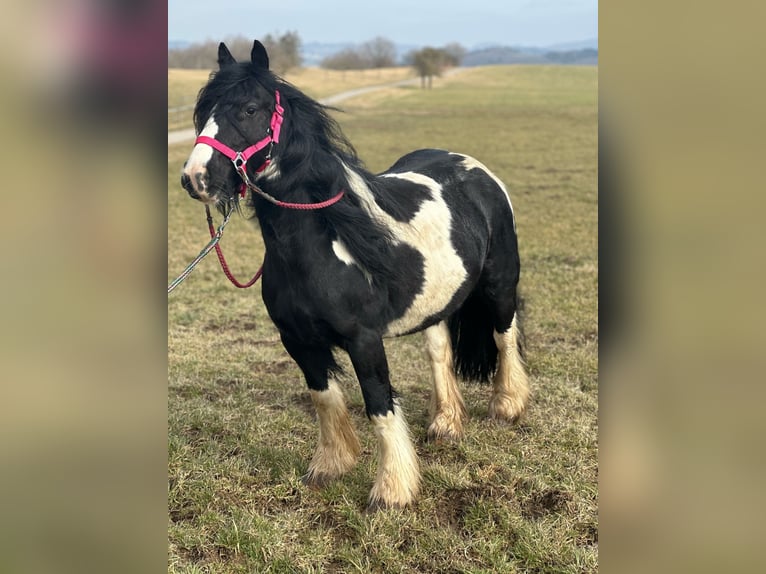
[317,480]
[444,429]
[506,411]
[440,435]
[505,421]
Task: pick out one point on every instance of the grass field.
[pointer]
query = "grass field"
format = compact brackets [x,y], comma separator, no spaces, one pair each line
[506,499]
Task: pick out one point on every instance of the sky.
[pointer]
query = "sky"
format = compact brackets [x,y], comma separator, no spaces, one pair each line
[419,22]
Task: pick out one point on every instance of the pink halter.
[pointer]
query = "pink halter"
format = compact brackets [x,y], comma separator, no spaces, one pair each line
[239,158]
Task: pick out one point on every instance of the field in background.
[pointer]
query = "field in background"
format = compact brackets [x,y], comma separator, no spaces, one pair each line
[183,86]
[506,499]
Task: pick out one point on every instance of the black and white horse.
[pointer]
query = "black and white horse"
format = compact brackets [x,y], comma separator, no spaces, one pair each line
[428,245]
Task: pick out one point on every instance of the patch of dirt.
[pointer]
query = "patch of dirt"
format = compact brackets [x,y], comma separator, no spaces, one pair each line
[194,554]
[587,534]
[545,502]
[237,325]
[453,503]
[272,367]
[186,511]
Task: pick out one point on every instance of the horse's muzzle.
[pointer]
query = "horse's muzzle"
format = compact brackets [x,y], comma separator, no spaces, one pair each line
[196,185]
[186,183]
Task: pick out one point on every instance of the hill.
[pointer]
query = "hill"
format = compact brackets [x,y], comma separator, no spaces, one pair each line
[522,55]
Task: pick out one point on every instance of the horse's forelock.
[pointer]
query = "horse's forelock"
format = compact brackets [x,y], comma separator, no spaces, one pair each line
[230,85]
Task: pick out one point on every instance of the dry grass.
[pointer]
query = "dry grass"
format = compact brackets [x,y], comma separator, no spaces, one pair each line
[506,499]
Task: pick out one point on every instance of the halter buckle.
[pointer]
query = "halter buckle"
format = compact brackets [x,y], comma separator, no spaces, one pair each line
[239,161]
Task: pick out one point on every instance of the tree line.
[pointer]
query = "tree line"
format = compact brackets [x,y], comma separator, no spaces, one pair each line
[284,55]
[381,53]
[284,52]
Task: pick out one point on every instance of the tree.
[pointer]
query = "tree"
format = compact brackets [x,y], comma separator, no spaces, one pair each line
[379,53]
[428,62]
[454,54]
[348,59]
[284,52]
[376,53]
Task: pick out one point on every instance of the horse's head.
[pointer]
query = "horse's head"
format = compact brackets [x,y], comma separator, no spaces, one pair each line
[238,121]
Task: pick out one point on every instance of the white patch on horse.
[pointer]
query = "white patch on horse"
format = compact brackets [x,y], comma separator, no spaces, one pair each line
[398,480]
[470,163]
[510,393]
[342,253]
[429,233]
[339,248]
[202,153]
[338,446]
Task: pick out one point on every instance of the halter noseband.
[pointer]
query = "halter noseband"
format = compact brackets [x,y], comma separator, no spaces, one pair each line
[240,158]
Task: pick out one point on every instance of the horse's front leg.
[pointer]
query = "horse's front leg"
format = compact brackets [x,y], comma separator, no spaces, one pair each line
[398,480]
[338,446]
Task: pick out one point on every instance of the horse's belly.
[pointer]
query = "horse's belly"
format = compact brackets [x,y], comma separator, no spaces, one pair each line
[443,274]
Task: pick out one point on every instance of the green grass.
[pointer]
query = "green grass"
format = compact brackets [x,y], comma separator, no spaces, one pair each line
[505,499]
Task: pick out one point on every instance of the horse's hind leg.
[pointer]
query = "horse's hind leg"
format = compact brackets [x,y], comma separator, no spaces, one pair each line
[338,446]
[510,392]
[447,409]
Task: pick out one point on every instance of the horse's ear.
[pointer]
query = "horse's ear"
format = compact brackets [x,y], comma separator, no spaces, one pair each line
[224,57]
[259,56]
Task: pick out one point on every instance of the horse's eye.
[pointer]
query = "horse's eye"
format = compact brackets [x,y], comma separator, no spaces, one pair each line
[250,110]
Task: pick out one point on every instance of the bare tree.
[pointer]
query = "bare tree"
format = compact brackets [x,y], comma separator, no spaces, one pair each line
[348,59]
[454,54]
[376,53]
[379,53]
[284,52]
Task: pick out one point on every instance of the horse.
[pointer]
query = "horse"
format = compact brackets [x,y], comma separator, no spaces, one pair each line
[428,245]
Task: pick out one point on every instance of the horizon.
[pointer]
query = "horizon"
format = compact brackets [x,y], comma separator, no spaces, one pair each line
[520,23]
[480,46]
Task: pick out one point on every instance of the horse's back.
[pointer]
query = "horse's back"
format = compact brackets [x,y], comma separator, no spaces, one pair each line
[463,179]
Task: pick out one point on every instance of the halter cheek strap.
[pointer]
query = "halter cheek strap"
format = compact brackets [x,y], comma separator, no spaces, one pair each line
[240,158]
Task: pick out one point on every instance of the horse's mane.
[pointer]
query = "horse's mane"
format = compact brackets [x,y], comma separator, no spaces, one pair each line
[313,149]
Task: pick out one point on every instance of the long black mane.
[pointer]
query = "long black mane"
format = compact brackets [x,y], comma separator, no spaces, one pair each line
[311,155]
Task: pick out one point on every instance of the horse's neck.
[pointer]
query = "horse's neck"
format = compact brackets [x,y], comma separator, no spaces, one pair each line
[288,230]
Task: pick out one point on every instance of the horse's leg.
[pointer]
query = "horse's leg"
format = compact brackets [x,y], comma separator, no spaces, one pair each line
[447,409]
[338,446]
[510,392]
[398,480]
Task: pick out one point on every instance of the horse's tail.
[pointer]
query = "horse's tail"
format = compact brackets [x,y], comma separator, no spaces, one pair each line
[473,343]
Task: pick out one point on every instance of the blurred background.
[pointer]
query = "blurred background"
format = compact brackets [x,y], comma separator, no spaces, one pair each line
[82,344]
[82,405]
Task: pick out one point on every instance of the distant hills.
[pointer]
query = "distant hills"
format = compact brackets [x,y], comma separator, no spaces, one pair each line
[583,52]
[509,55]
